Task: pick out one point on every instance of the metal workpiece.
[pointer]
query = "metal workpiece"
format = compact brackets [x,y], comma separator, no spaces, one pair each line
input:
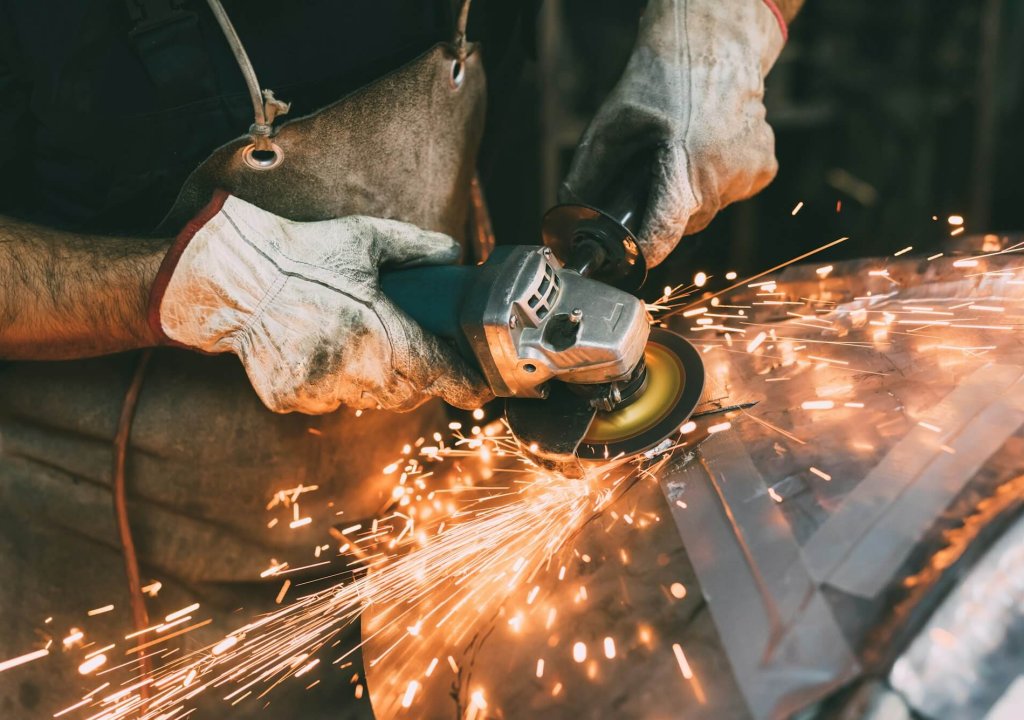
[543,322]
[871,699]
[784,644]
[828,519]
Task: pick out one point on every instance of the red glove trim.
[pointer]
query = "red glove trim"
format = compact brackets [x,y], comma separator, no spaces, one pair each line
[170,262]
[778,16]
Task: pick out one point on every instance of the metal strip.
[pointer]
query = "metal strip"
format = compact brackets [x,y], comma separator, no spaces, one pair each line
[968,654]
[782,640]
[861,547]
[1009,705]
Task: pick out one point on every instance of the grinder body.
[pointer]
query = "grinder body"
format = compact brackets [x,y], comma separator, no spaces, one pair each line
[523,319]
[557,331]
[583,374]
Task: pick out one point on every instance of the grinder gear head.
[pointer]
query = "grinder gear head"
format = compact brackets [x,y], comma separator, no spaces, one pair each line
[530,320]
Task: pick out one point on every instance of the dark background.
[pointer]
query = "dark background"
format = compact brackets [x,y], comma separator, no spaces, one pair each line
[901,110]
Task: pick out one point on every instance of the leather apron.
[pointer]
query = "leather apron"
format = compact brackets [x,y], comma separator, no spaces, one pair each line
[204,457]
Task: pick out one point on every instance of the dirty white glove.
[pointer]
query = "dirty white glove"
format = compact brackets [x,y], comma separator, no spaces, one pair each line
[300,304]
[692,98]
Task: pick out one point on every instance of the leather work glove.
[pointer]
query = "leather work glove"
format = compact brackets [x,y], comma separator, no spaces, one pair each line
[692,97]
[300,304]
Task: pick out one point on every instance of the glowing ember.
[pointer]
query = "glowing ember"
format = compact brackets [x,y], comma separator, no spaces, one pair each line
[817,404]
[823,475]
[224,645]
[181,613]
[684,666]
[756,342]
[21,660]
[93,663]
[609,648]
[410,693]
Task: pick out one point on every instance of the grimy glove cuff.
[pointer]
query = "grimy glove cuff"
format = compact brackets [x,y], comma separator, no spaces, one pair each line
[170,262]
[774,8]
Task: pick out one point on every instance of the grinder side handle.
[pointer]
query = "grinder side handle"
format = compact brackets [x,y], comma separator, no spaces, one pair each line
[625,197]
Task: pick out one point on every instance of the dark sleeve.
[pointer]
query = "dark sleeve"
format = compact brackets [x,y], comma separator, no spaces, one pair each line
[15,122]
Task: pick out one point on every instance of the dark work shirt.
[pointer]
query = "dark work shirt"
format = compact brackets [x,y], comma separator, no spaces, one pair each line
[101,123]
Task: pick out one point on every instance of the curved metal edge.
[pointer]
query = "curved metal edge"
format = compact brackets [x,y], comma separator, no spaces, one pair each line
[561,225]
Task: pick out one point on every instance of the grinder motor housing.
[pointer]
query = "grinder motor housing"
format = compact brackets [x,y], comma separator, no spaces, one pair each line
[529,320]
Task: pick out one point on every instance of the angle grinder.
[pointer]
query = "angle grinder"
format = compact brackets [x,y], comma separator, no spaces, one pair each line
[557,331]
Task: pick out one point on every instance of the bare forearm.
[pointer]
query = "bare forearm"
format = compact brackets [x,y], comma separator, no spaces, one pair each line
[64,295]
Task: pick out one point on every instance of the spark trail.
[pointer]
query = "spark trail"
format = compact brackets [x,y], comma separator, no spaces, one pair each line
[473,558]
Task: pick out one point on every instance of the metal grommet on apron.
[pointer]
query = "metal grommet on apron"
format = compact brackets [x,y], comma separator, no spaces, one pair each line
[267,158]
[261,154]
[458,74]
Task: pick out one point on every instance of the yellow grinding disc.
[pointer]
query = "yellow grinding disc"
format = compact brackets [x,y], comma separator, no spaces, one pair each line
[666,379]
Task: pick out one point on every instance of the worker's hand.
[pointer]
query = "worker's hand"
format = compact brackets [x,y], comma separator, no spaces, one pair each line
[692,99]
[300,304]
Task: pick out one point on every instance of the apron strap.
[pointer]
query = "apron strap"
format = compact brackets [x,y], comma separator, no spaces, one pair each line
[266,108]
[460,31]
